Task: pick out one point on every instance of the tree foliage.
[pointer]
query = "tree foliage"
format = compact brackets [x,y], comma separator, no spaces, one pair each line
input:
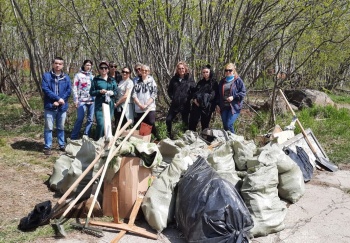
[308,39]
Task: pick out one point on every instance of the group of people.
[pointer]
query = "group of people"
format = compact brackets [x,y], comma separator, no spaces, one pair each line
[195,101]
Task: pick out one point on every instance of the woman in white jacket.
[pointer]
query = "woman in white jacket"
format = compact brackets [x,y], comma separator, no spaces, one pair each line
[145,95]
[84,103]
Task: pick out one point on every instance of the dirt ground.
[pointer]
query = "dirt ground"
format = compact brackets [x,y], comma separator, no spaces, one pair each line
[321,215]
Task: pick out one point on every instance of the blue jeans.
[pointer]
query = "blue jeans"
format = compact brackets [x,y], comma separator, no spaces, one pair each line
[50,117]
[228,119]
[81,110]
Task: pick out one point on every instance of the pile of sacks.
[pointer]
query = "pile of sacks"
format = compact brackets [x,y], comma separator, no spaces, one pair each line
[262,177]
[258,181]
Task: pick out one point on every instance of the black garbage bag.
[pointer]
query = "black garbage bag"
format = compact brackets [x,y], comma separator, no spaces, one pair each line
[302,160]
[209,208]
[39,216]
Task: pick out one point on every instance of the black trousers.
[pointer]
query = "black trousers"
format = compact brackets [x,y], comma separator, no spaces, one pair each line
[117,117]
[149,119]
[172,114]
[197,114]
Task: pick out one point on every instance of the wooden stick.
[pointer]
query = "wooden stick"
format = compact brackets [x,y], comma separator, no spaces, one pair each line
[115,205]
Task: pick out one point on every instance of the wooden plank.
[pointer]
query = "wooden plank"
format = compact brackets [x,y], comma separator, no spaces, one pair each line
[131,222]
[133,229]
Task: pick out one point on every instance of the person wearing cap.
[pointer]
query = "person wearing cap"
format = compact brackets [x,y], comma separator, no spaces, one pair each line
[230,100]
[83,101]
[56,86]
[104,89]
[204,97]
[113,72]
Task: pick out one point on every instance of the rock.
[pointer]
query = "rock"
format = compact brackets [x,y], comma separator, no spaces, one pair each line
[308,98]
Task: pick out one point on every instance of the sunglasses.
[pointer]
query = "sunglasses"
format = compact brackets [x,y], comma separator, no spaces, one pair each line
[104,67]
[137,69]
[125,72]
[144,70]
[113,66]
[228,70]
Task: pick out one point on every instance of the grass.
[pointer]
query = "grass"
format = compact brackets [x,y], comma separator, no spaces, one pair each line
[330,127]
[10,234]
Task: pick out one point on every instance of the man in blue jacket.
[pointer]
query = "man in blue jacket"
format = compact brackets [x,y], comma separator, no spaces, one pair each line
[56,86]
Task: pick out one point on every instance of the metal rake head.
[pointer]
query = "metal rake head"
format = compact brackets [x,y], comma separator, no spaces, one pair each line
[88,230]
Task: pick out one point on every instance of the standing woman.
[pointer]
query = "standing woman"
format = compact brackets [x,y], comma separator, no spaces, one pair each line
[84,103]
[125,86]
[113,72]
[203,100]
[104,88]
[179,91]
[231,94]
[144,95]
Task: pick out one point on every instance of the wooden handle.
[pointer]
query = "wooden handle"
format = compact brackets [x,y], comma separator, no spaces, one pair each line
[82,192]
[299,124]
[124,110]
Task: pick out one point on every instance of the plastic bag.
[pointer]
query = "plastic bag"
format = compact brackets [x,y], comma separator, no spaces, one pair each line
[209,208]
[39,216]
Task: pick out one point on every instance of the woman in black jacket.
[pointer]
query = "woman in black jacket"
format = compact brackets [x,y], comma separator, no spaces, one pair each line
[179,91]
[204,97]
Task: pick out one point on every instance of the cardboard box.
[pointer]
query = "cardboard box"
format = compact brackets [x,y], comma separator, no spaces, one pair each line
[131,179]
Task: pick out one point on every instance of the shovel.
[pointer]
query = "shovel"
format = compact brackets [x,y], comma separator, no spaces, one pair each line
[321,161]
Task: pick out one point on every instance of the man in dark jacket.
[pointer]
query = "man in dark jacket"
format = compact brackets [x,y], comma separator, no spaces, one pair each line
[179,91]
[56,86]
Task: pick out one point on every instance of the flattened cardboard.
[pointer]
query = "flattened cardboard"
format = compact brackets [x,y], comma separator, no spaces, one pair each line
[131,179]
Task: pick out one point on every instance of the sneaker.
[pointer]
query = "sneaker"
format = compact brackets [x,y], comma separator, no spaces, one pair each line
[47,151]
[62,148]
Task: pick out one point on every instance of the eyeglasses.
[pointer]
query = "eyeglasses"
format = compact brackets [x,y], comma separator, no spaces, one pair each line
[125,72]
[228,70]
[104,67]
[144,70]
[113,66]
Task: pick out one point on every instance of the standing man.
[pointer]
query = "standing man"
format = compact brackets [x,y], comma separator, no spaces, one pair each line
[56,86]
